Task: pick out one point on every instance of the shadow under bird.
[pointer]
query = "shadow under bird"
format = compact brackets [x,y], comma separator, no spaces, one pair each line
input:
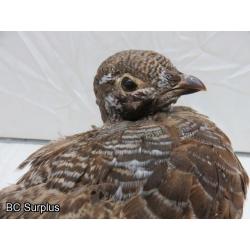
[150,159]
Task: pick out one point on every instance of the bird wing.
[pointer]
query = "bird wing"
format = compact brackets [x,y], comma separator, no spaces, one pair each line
[175,165]
[202,177]
[57,174]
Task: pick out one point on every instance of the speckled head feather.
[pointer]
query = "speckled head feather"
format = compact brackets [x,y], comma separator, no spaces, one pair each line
[136,83]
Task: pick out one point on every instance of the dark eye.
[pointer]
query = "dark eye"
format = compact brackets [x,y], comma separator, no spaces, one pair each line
[128,84]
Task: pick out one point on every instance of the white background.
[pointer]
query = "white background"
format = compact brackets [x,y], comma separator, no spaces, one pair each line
[46,83]
[132,15]
[46,78]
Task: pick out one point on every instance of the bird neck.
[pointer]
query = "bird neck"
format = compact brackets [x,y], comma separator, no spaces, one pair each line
[113,113]
[110,115]
[116,118]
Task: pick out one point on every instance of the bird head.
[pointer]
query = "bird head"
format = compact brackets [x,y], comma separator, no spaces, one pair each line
[133,84]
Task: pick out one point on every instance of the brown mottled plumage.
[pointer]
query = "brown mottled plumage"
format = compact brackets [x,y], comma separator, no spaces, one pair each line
[149,160]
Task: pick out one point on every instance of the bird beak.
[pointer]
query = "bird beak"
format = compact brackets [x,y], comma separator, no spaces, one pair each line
[190,84]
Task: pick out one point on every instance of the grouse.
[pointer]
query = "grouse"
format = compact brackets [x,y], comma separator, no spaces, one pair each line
[150,159]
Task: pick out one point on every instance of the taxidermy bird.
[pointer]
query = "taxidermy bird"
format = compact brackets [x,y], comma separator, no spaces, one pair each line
[150,159]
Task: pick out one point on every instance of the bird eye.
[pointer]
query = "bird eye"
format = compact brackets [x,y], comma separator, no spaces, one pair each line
[128,84]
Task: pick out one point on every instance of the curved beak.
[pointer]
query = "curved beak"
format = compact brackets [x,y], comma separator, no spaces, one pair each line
[190,84]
